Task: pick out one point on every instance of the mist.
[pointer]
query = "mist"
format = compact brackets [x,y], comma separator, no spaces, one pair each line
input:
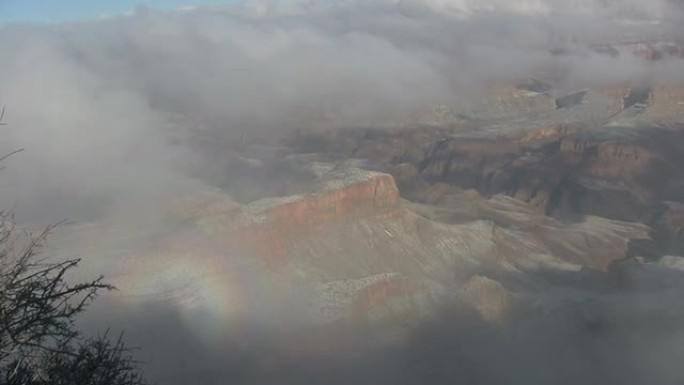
[580,333]
[120,115]
[96,103]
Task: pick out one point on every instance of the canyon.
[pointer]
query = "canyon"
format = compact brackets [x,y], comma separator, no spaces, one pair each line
[537,199]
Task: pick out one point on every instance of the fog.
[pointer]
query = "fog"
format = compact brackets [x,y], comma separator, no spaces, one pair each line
[568,335]
[107,111]
[94,103]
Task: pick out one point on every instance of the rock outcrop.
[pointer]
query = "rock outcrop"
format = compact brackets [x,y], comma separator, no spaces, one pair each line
[618,172]
[488,297]
[345,250]
[267,227]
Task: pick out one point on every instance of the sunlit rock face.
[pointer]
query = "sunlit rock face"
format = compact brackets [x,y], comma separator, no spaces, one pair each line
[267,226]
[329,255]
[339,265]
[345,252]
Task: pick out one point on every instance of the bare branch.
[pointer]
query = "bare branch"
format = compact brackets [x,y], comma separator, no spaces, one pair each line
[38,343]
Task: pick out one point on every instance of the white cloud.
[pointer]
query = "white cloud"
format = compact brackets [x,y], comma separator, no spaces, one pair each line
[90,101]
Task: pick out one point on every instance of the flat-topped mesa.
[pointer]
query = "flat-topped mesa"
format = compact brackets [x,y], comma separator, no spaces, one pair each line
[269,227]
[340,193]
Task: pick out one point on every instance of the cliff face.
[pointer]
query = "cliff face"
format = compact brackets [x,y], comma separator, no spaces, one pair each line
[608,159]
[616,171]
[347,233]
[594,151]
[352,192]
[662,102]
[267,227]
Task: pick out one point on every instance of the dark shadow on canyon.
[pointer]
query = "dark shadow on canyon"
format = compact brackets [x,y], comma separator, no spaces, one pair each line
[583,330]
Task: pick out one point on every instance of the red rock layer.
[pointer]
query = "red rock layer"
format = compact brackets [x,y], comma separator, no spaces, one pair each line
[271,236]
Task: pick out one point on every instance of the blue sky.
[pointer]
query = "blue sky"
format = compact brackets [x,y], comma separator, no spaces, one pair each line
[61,10]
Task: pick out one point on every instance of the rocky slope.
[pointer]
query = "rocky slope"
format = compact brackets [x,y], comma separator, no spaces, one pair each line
[620,167]
[535,199]
[346,249]
[344,267]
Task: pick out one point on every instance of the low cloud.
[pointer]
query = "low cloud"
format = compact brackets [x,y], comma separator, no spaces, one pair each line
[95,103]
